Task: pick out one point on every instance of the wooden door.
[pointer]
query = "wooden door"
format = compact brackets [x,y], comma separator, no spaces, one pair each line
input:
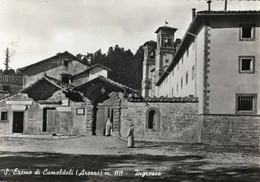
[18,118]
[52,124]
[101,122]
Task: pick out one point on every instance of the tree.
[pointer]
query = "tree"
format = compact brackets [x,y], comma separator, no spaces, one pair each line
[8,55]
[7,59]
[126,67]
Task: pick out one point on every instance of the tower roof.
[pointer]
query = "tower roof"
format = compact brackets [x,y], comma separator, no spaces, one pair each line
[167,28]
[150,42]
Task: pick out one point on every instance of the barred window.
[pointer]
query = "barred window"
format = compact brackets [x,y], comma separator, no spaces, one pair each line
[246,102]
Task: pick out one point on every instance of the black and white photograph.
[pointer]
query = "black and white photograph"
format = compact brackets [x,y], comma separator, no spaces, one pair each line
[129,90]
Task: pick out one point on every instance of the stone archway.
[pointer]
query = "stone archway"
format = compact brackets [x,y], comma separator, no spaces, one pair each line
[97,109]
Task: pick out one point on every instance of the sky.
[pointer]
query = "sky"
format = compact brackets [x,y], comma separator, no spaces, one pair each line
[34,30]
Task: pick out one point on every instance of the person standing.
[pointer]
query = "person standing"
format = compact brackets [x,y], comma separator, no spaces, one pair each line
[108,127]
[130,136]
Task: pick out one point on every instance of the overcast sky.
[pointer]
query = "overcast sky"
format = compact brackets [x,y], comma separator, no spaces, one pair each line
[38,29]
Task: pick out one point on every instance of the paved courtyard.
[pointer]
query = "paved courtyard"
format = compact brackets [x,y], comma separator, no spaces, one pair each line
[99,158]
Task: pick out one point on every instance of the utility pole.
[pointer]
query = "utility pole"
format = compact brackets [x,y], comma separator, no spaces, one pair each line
[225,5]
[7,59]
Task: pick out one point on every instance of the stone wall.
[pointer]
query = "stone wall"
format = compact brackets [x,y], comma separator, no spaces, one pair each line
[178,122]
[32,115]
[230,130]
[81,122]
[74,67]
[67,121]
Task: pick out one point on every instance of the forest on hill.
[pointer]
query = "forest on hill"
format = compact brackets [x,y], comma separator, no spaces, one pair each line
[126,67]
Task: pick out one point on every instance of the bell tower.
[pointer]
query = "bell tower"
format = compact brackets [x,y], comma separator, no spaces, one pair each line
[148,65]
[165,49]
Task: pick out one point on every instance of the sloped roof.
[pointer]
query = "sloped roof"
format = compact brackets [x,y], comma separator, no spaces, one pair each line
[150,42]
[90,68]
[107,80]
[163,99]
[57,83]
[166,28]
[58,54]
[44,88]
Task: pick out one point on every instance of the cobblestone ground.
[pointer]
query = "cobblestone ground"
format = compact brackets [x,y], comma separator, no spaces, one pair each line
[84,158]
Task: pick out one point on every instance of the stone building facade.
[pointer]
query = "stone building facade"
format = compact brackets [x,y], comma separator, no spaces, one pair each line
[62,95]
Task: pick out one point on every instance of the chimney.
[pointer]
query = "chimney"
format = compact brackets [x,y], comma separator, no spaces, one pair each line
[193,12]
[225,5]
[209,1]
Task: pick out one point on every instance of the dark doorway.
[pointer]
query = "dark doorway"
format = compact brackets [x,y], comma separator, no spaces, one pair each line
[47,112]
[18,122]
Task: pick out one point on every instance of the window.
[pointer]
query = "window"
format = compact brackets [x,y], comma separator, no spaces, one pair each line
[193,72]
[4,116]
[247,32]
[167,61]
[152,54]
[153,119]
[65,62]
[246,64]
[6,88]
[65,78]
[246,103]
[187,78]
[80,111]
[181,83]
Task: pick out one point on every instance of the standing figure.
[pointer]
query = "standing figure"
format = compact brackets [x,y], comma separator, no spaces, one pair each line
[130,136]
[108,127]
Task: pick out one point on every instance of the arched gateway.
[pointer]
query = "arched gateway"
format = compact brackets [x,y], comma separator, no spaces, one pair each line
[104,95]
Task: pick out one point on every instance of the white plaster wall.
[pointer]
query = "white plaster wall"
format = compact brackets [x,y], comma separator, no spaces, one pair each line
[224,79]
[97,71]
[169,85]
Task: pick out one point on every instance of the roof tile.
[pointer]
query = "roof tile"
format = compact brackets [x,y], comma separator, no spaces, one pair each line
[163,99]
